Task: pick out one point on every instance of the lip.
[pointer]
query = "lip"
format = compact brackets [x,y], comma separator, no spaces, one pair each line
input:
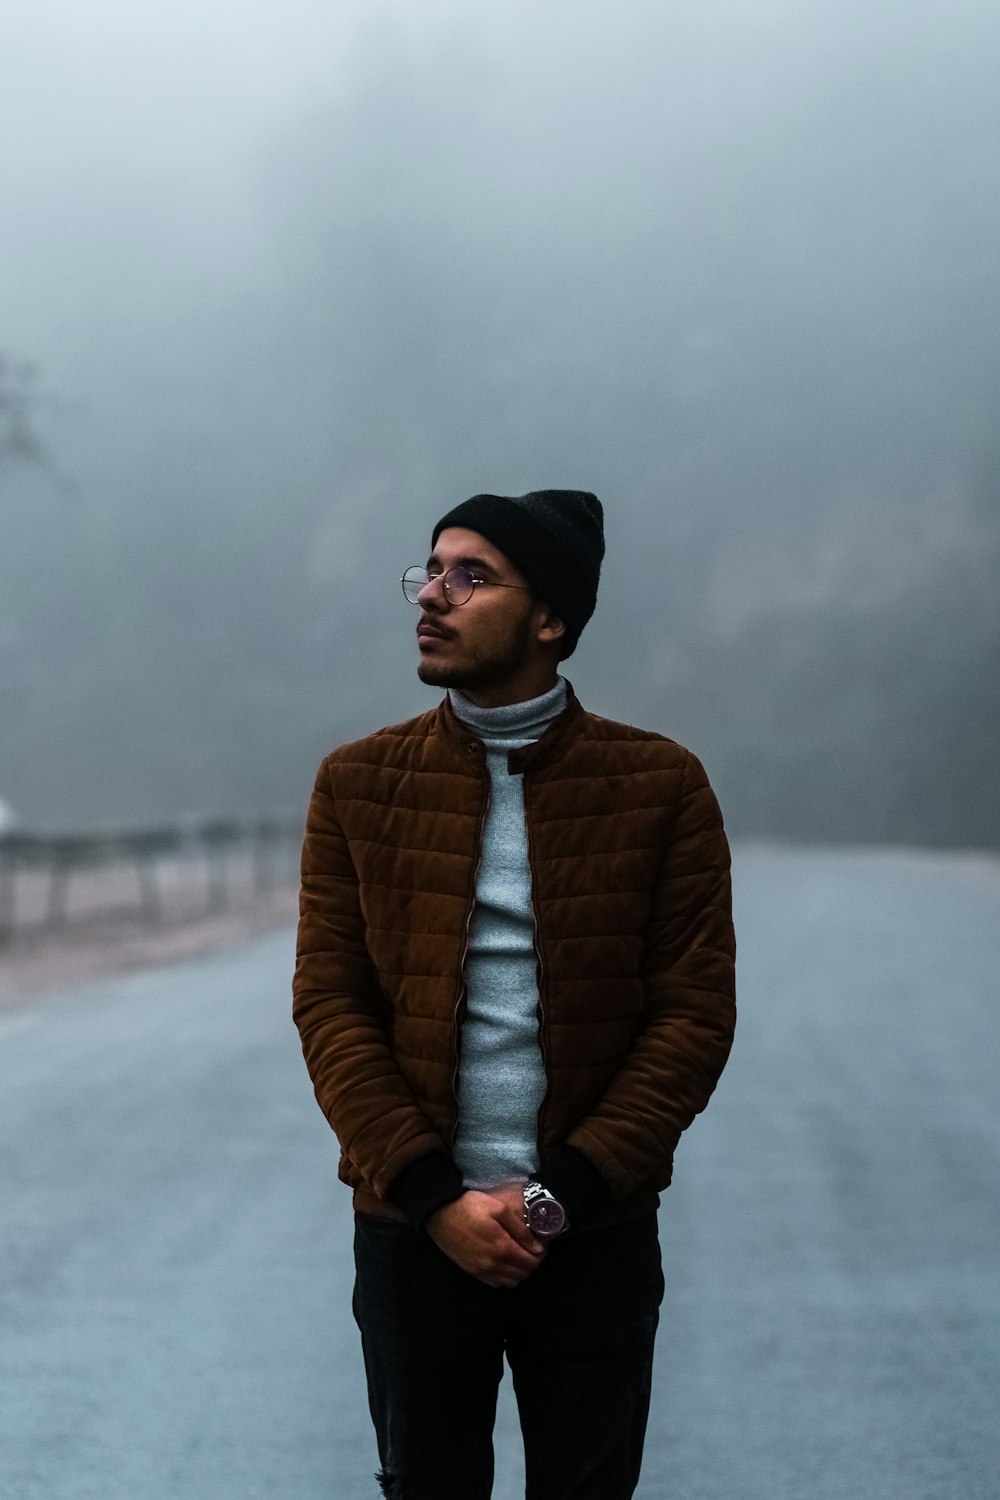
[427,632]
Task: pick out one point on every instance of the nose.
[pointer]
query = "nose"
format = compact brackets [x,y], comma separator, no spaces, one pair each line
[433,596]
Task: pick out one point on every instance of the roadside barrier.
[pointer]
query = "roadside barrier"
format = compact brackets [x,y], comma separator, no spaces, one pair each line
[195,867]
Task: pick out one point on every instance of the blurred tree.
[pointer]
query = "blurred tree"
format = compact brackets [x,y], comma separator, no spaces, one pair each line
[20,441]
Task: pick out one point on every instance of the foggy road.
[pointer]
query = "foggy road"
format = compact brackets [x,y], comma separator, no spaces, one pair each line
[175,1248]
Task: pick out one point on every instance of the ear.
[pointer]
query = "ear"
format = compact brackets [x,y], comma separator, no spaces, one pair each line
[549,627]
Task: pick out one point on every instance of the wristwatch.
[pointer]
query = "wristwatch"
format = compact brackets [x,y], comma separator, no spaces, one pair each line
[543,1214]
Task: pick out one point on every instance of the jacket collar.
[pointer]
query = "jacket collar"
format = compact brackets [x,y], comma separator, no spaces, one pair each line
[554,742]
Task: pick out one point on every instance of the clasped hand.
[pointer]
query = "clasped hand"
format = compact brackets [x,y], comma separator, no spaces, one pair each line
[485,1234]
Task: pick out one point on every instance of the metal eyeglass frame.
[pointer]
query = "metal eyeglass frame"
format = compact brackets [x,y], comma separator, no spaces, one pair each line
[419,577]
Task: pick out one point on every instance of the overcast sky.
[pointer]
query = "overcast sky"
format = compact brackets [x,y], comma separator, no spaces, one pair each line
[140,139]
[131,132]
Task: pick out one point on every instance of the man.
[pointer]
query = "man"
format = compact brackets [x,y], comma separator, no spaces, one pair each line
[514,990]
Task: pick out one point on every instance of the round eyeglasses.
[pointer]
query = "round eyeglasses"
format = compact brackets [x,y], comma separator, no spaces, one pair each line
[459,584]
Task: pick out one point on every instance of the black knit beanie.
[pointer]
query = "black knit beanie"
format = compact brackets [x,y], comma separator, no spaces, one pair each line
[555,538]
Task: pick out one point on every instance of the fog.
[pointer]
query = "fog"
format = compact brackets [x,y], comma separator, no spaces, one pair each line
[295,283]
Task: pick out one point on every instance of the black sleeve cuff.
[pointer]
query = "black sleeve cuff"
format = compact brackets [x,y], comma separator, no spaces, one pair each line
[576,1182]
[426,1184]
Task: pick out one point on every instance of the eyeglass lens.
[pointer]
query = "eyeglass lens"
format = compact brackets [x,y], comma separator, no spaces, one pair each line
[459,584]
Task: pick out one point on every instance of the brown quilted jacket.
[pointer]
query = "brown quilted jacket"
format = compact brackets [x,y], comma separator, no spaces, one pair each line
[630,871]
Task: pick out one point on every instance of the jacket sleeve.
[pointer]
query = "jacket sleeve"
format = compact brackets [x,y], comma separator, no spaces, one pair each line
[344,1019]
[690,1004]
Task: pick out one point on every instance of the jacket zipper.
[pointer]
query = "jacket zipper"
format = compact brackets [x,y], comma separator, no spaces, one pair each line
[540,970]
[461,991]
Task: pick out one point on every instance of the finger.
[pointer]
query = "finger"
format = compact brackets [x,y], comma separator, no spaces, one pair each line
[512,1278]
[515,1254]
[506,1280]
[518,1263]
[519,1231]
[505,1261]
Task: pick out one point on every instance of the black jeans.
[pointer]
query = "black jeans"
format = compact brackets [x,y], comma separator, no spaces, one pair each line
[578,1335]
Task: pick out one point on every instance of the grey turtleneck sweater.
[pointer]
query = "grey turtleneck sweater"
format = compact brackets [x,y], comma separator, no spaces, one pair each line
[502,1075]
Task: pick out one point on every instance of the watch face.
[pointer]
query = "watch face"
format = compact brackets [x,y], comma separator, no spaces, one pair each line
[546,1217]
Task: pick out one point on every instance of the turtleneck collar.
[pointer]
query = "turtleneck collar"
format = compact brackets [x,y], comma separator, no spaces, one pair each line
[524,721]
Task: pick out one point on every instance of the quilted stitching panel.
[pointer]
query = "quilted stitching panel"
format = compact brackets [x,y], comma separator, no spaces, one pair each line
[631,887]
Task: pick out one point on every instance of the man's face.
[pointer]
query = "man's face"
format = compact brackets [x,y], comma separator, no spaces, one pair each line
[488,640]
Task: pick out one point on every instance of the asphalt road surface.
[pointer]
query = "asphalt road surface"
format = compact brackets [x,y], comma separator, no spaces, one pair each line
[175,1262]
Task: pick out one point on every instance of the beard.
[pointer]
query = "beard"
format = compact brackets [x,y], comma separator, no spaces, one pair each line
[487,664]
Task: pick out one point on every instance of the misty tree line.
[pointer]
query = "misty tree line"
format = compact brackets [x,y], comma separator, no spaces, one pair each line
[200,653]
[759,321]
[877,723]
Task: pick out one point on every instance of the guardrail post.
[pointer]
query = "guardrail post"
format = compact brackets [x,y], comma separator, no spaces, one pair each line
[263,857]
[217,836]
[8,891]
[149,889]
[55,913]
